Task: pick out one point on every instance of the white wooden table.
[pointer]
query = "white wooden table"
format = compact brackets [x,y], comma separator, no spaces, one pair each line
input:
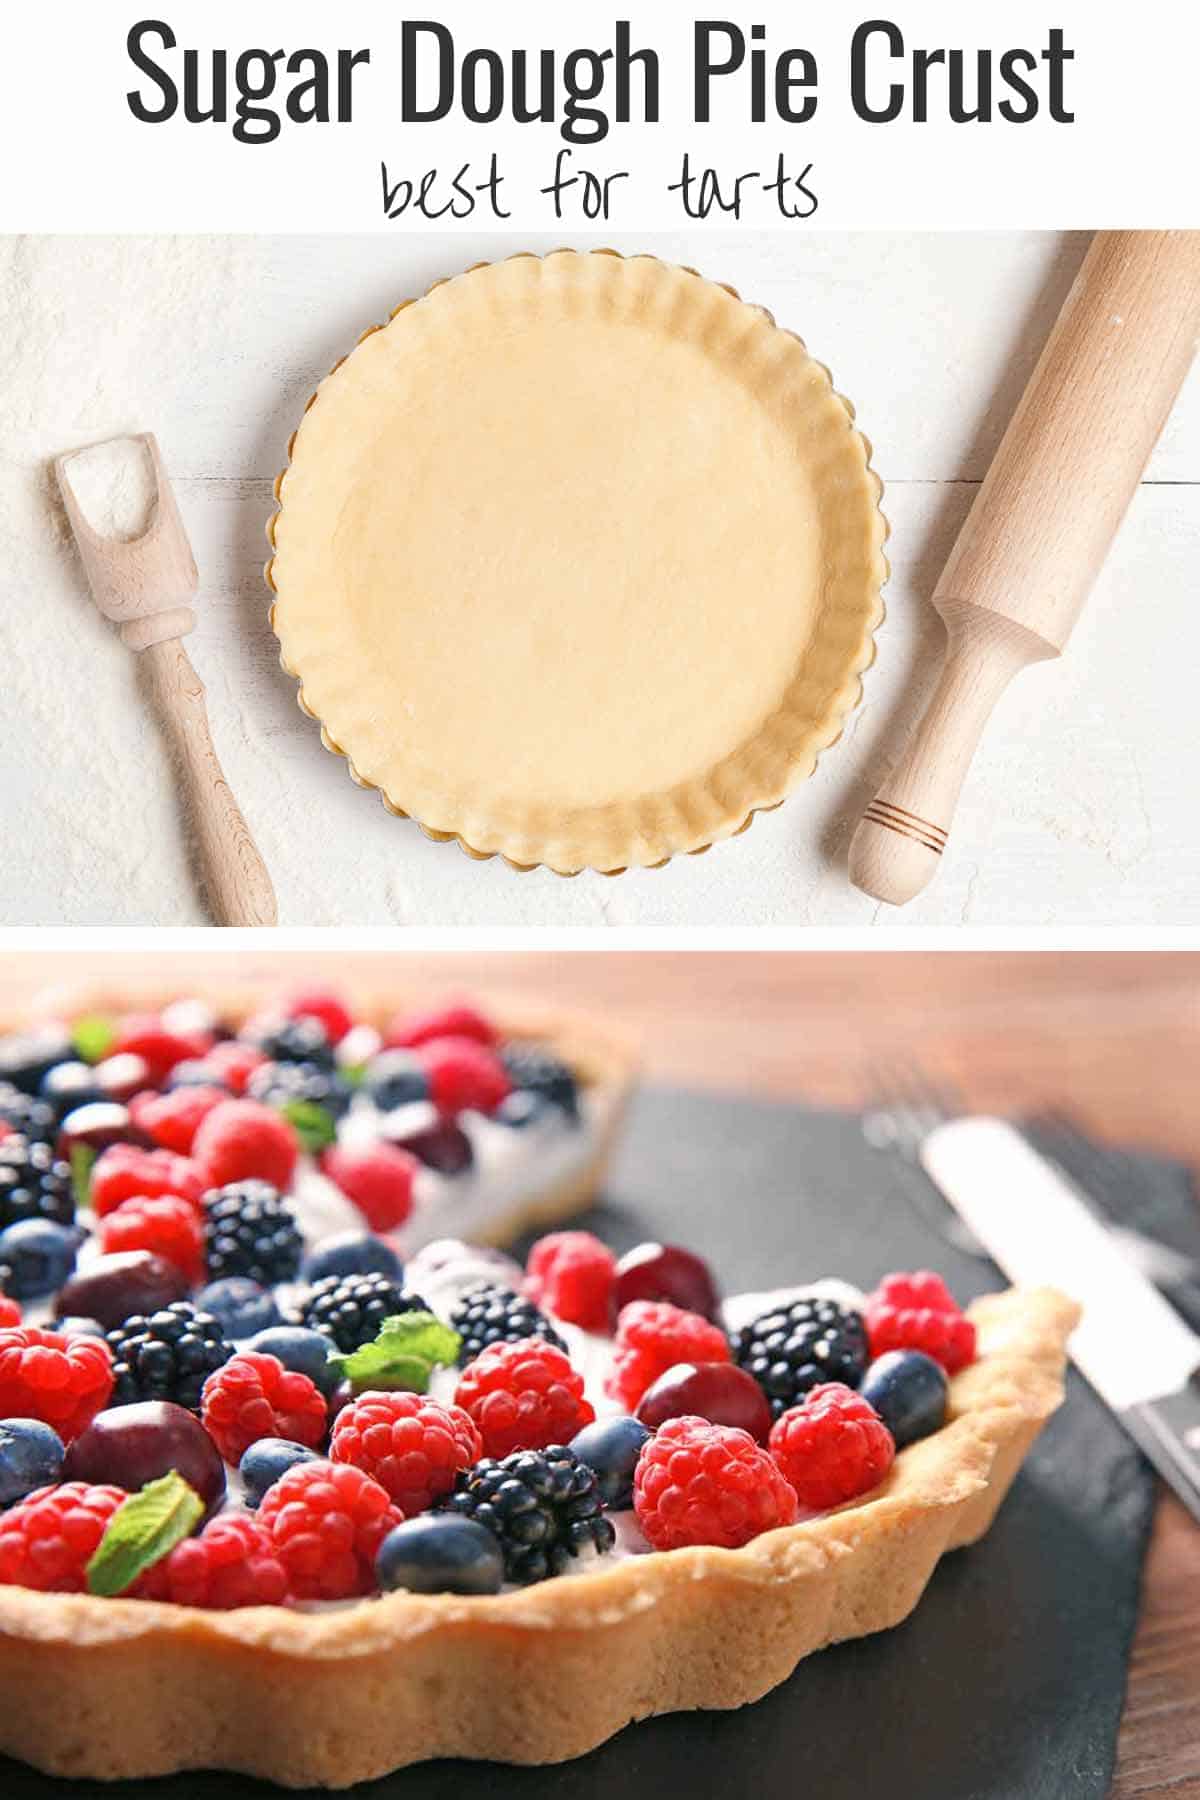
[1081,809]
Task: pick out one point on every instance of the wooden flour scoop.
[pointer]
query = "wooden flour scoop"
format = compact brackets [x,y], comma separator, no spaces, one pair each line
[1041,526]
[147,588]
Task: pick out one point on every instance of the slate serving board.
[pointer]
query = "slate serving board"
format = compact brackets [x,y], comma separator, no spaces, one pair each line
[1007,1682]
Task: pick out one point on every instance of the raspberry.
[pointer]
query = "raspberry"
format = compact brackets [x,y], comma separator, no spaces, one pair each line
[411,1446]
[323,1004]
[165,1225]
[233,1562]
[145,1035]
[173,1119]
[48,1540]
[408,1030]
[918,1312]
[10,1312]
[573,1275]
[523,1396]
[241,1140]
[832,1448]
[64,1382]
[234,1063]
[253,1396]
[378,1179]
[921,1289]
[125,1172]
[652,1336]
[327,1521]
[463,1076]
[697,1483]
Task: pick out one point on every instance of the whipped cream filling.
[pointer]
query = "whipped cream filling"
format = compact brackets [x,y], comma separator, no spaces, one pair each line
[510,1168]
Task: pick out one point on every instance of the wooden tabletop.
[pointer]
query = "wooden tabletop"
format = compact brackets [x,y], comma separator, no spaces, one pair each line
[1113,1039]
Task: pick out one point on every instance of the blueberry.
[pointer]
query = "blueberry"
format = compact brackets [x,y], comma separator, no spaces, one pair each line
[40,1255]
[440,1554]
[71,1084]
[28,1056]
[75,1325]
[266,1460]
[395,1078]
[610,1448]
[908,1391]
[240,1306]
[521,1108]
[307,1352]
[193,1071]
[353,1253]
[31,1456]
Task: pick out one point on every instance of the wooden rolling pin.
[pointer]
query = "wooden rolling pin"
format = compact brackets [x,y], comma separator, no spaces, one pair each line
[147,588]
[1041,526]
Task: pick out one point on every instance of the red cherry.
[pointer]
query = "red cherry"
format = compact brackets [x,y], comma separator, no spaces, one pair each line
[667,1272]
[123,1076]
[127,1446]
[118,1286]
[719,1392]
[96,1127]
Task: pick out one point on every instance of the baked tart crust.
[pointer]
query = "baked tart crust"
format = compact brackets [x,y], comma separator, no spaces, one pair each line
[578,561]
[341,1696]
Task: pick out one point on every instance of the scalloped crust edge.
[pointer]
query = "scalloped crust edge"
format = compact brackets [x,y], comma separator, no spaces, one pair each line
[830,730]
[110,1689]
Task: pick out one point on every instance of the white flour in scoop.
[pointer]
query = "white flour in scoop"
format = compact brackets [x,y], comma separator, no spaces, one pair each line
[115,488]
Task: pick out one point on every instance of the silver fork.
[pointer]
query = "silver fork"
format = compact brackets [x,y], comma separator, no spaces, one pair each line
[908,1104]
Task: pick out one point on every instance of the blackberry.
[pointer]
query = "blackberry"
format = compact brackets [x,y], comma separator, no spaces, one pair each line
[793,1348]
[249,1230]
[349,1309]
[295,1040]
[168,1356]
[35,1120]
[27,1057]
[488,1314]
[34,1184]
[535,1069]
[279,1083]
[542,1505]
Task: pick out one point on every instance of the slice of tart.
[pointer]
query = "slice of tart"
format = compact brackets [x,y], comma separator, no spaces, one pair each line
[578,561]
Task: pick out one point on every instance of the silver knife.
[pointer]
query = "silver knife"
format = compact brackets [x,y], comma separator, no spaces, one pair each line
[1131,1345]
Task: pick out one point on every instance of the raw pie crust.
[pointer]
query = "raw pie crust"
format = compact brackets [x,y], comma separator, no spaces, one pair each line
[117,1688]
[578,561]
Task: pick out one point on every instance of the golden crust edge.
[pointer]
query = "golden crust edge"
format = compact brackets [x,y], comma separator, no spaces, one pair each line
[806,754]
[340,1697]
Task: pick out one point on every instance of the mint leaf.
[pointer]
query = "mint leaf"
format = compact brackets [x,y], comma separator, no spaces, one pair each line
[141,1532]
[354,1075]
[93,1037]
[83,1161]
[312,1123]
[404,1355]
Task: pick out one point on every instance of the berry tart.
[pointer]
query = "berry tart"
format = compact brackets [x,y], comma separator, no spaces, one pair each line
[312,1515]
[416,1123]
